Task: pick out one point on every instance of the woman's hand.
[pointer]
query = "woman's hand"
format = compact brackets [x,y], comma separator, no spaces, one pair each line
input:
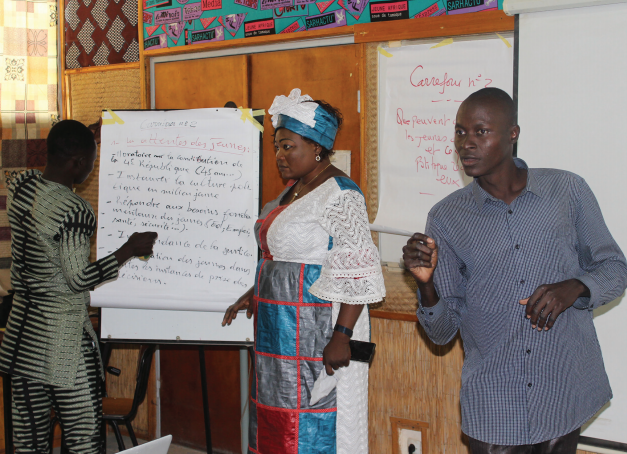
[244,302]
[337,353]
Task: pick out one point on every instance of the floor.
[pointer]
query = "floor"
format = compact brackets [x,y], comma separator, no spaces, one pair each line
[112,447]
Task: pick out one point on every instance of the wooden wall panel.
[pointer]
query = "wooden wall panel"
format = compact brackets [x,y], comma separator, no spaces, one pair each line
[207,82]
[412,378]
[327,73]
[181,397]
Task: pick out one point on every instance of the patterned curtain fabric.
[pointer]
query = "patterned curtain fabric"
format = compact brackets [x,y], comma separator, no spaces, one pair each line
[28,93]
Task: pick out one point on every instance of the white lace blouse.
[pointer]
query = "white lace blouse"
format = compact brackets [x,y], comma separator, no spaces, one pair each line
[329,227]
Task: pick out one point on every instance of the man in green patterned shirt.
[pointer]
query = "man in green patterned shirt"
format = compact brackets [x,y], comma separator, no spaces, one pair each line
[50,348]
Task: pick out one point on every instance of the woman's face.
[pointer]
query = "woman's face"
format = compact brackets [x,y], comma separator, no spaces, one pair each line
[295,157]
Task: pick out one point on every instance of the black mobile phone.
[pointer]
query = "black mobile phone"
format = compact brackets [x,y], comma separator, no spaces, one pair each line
[361,351]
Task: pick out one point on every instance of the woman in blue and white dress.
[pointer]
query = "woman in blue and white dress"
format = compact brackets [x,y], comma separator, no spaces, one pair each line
[318,270]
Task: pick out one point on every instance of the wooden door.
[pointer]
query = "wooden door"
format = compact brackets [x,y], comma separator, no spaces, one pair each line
[181,397]
[193,84]
[327,73]
[206,82]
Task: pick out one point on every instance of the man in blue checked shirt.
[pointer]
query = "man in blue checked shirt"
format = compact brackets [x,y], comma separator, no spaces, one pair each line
[517,261]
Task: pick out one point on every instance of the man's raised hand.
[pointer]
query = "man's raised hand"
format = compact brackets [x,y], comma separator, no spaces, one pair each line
[421,257]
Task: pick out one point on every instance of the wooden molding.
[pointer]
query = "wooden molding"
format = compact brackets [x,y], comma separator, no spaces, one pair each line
[142,66]
[255,41]
[363,181]
[67,89]
[401,316]
[146,78]
[98,69]
[246,81]
[430,27]
[61,58]
[400,423]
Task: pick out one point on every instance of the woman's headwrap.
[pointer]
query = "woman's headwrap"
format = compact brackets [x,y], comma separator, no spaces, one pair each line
[301,115]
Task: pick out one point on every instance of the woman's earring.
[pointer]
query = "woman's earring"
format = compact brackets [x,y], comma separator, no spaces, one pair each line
[318,157]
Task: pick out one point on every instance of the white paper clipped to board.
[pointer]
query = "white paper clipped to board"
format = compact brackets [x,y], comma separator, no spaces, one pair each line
[420,89]
[192,176]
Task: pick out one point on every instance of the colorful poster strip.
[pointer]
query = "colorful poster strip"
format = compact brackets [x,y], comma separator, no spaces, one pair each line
[259,28]
[469,6]
[205,36]
[391,10]
[248,18]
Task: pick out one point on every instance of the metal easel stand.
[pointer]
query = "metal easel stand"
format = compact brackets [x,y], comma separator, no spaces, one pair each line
[8,422]
[205,397]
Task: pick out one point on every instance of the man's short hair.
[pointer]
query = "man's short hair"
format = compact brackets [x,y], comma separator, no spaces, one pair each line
[496,96]
[69,138]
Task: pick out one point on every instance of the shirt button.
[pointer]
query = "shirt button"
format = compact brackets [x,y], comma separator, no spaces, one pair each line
[422,312]
[510,211]
[529,385]
[528,351]
[517,246]
[522,281]
[430,313]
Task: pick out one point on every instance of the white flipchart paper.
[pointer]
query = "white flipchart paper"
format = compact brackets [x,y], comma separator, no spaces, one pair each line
[571,116]
[192,176]
[420,89]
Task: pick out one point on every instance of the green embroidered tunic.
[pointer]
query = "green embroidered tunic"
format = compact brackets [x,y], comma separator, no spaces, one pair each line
[51,275]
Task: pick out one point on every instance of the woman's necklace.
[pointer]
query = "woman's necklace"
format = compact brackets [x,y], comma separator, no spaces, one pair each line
[301,188]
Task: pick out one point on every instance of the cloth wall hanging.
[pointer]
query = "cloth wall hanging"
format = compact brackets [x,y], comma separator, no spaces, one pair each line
[100,32]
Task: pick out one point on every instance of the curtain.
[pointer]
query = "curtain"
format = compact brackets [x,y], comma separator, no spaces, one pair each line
[28,93]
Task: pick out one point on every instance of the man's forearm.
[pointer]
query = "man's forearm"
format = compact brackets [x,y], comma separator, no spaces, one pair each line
[428,294]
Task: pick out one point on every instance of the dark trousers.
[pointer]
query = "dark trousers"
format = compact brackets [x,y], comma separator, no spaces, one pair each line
[566,444]
[79,409]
